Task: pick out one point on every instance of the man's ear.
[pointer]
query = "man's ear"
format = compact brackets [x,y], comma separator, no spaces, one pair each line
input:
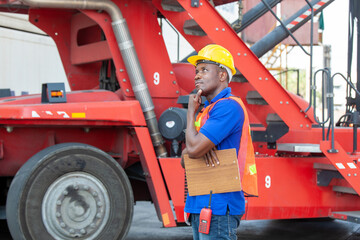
[223,76]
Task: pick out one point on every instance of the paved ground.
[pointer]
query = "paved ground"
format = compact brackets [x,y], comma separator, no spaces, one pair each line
[146,226]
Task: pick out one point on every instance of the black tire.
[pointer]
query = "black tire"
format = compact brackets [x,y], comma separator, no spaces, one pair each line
[70,191]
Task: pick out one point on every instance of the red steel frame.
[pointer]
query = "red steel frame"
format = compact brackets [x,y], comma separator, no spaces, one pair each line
[114,122]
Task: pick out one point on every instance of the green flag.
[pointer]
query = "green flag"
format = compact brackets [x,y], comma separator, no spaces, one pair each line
[321,21]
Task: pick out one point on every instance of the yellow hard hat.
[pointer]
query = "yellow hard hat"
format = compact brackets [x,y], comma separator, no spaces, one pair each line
[214,53]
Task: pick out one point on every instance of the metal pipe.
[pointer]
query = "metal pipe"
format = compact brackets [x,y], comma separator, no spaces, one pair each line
[253,14]
[325,77]
[279,33]
[284,27]
[357,16]
[355,126]
[297,82]
[110,7]
[128,53]
[330,96]
[311,48]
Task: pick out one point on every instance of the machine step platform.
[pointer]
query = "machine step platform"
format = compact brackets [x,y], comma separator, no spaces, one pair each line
[172,5]
[350,216]
[253,97]
[341,189]
[345,164]
[192,28]
[299,147]
[326,173]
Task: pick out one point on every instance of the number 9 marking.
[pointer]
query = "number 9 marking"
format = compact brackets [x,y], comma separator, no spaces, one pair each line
[267,181]
[156,78]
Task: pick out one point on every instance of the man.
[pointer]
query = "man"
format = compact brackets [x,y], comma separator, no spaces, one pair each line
[222,124]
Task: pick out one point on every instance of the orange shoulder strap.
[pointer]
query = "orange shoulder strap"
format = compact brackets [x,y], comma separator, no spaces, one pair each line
[246,156]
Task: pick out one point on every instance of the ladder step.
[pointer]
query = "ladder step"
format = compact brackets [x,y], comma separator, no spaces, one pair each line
[350,216]
[239,78]
[172,5]
[323,166]
[253,97]
[324,178]
[343,162]
[326,173]
[192,28]
[342,189]
[273,118]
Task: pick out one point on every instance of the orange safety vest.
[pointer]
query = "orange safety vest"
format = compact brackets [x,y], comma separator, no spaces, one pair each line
[246,156]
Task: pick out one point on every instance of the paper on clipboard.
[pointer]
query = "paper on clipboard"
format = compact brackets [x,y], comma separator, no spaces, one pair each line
[220,179]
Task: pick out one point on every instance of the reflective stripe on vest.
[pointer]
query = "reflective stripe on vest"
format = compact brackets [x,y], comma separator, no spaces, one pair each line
[246,156]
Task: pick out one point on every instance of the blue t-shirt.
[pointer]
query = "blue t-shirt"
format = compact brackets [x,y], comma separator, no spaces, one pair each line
[223,128]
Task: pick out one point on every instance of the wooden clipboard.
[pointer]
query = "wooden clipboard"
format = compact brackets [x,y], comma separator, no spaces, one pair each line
[222,178]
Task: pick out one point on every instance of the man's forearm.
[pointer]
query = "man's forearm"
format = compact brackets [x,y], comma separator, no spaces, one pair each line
[191,132]
[197,144]
[182,157]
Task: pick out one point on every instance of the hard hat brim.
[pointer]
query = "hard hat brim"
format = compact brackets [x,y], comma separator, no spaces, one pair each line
[194,59]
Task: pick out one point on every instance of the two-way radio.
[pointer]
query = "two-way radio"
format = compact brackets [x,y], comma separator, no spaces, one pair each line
[205,218]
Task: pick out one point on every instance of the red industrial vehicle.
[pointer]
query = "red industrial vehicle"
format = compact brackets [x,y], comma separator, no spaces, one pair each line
[78,160]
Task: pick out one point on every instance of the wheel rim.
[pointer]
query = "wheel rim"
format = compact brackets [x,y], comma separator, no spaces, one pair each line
[75,205]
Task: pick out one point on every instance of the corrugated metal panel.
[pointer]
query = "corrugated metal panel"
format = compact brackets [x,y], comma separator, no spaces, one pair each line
[18,22]
[260,27]
[27,60]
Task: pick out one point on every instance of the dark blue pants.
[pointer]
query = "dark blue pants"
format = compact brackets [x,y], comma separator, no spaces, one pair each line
[221,227]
